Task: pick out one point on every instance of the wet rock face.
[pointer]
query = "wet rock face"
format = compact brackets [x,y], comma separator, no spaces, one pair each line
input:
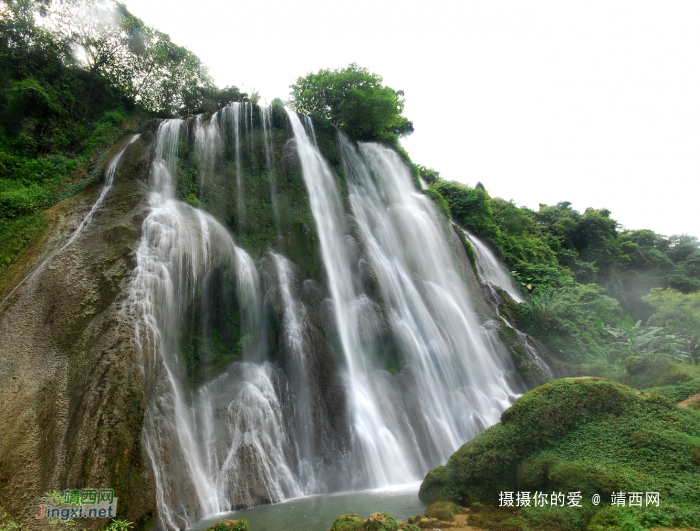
[316,380]
[71,391]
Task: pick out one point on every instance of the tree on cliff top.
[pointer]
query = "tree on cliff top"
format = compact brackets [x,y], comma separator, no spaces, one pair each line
[355,100]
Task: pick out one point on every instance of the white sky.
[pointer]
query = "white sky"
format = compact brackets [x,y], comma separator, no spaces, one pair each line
[593,102]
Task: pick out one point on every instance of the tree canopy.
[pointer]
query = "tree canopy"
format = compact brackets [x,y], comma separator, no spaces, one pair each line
[75,76]
[355,100]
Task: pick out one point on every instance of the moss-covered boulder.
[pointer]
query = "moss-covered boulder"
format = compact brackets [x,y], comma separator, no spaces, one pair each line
[443,510]
[380,522]
[348,522]
[230,525]
[375,522]
[588,435]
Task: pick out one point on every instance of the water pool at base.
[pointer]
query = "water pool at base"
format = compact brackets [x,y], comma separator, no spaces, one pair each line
[317,513]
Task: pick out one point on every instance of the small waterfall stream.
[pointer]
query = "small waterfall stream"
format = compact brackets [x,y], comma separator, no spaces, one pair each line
[110,170]
[491,269]
[493,273]
[366,376]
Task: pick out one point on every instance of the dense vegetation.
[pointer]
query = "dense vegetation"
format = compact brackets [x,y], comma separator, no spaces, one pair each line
[587,436]
[75,76]
[595,292]
[622,304]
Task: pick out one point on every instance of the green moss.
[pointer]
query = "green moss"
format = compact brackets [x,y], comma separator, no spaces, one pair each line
[531,518]
[380,522]
[16,235]
[649,372]
[442,510]
[674,516]
[528,370]
[348,522]
[230,525]
[375,522]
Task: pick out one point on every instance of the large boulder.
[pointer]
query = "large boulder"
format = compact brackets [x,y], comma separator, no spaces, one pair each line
[348,522]
[375,522]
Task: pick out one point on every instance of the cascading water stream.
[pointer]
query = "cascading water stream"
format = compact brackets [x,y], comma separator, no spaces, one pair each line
[232,114]
[493,273]
[367,382]
[387,462]
[110,170]
[294,341]
[207,144]
[425,304]
[491,269]
[200,444]
[266,120]
[168,264]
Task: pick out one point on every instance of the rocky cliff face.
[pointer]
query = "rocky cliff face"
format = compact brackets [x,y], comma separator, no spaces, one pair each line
[71,388]
[241,352]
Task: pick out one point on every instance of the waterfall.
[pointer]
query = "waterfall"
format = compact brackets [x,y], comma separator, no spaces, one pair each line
[426,307]
[366,375]
[208,145]
[493,273]
[491,269]
[196,443]
[232,114]
[266,120]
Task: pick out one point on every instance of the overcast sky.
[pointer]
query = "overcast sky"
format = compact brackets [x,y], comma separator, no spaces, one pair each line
[593,102]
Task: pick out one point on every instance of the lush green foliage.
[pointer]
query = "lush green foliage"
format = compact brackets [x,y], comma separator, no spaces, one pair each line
[591,436]
[375,522]
[680,313]
[570,319]
[70,87]
[585,275]
[429,175]
[103,37]
[439,201]
[230,525]
[355,100]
